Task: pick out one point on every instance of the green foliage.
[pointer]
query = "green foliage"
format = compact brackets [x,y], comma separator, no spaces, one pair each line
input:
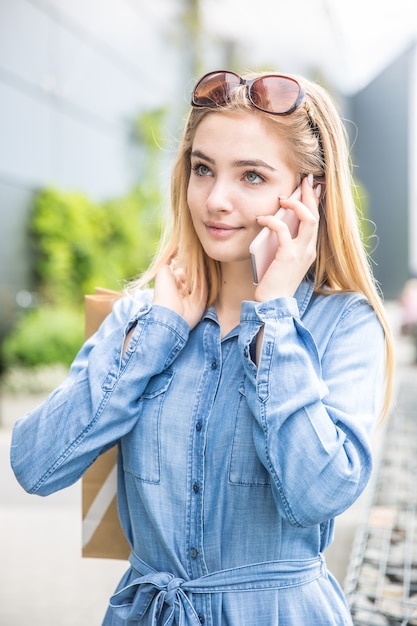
[77,245]
[45,336]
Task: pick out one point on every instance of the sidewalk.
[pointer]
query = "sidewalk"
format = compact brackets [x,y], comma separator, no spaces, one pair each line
[43,579]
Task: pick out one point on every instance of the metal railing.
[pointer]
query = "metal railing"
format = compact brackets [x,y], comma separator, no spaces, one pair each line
[381,581]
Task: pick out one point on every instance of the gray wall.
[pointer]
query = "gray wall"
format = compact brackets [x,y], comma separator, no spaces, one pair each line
[73,75]
[382,112]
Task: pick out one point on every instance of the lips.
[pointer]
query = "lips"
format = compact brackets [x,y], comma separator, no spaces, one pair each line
[220,226]
[219,229]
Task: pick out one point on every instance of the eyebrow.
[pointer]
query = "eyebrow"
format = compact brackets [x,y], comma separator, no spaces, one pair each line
[200,155]
[237,163]
[253,163]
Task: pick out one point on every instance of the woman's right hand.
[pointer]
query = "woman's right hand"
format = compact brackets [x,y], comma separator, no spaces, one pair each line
[170,291]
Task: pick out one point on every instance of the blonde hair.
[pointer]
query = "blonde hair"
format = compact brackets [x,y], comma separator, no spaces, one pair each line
[319,145]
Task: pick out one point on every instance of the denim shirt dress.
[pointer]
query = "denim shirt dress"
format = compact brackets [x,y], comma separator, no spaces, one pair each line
[229,474]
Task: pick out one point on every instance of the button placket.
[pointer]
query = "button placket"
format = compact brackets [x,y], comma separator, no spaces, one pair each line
[206,392]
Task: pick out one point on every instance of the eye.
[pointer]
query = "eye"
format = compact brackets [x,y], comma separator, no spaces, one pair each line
[201,169]
[254,178]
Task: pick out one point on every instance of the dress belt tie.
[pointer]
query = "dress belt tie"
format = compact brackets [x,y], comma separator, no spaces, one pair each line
[161,599]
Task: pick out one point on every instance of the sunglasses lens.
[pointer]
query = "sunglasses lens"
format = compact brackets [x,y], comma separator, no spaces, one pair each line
[214,89]
[276,94]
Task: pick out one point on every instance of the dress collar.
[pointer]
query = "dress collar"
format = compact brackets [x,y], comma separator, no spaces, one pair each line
[302,295]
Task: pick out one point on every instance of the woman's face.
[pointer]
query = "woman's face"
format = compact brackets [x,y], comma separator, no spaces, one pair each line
[239,167]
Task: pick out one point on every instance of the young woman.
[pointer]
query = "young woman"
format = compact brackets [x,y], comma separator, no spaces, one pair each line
[243,412]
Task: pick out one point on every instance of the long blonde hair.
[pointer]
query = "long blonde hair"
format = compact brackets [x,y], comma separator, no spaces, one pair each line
[319,145]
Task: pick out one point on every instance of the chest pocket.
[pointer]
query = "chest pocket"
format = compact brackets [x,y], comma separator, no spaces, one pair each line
[141,447]
[245,467]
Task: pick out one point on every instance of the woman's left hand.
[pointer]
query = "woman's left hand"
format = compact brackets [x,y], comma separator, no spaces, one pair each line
[295,256]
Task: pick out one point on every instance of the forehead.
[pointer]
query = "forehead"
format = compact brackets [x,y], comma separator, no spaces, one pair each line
[236,132]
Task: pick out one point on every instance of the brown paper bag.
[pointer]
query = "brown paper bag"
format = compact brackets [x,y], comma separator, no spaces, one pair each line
[102,535]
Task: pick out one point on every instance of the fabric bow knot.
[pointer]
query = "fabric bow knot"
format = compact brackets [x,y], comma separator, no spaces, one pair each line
[155,599]
[172,589]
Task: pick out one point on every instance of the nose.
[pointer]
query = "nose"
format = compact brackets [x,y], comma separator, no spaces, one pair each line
[220,197]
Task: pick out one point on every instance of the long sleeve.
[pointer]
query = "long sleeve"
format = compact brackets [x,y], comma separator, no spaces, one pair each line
[55,443]
[314,410]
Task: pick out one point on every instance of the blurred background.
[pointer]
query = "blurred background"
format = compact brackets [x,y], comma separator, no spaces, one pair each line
[92,101]
[93,96]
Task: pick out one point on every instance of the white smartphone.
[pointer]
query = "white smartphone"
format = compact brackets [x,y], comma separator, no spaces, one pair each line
[263,248]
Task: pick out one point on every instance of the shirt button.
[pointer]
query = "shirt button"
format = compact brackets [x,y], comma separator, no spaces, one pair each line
[246,352]
[214,365]
[198,426]
[196,487]
[194,553]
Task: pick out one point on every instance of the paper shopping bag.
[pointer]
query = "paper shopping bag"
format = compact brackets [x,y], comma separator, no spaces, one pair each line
[102,535]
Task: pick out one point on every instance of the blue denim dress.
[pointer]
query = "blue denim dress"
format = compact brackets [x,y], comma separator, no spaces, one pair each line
[229,474]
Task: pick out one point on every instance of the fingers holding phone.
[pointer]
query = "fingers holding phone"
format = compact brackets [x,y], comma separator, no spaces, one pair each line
[280,255]
[265,245]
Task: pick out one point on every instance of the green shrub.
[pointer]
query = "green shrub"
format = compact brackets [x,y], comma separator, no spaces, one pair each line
[44,336]
[78,245]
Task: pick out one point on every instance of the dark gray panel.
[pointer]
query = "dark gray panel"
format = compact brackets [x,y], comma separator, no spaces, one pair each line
[382,153]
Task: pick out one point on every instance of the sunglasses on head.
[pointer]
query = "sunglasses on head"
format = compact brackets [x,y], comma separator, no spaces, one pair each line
[271,93]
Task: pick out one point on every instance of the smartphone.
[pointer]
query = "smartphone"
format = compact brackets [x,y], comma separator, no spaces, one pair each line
[264,246]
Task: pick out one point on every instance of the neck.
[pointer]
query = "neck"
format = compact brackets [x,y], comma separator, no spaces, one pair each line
[236,286]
